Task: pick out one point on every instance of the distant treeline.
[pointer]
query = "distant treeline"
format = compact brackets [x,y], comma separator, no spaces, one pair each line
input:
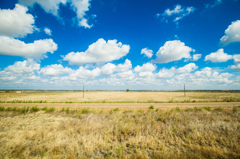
[31,91]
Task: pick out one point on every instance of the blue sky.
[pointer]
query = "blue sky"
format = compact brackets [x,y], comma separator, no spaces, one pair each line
[115,45]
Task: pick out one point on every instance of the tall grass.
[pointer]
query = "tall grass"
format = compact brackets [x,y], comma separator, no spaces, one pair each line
[133,134]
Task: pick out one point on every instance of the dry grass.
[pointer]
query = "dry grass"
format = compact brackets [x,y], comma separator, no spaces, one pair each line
[107,96]
[195,133]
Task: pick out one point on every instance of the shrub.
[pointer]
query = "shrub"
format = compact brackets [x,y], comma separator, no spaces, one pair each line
[128,111]
[116,109]
[197,109]
[2,108]
[67,110]
[35,109]
[127,90]
[9,109]
[44,108]
[52,109]
[85,110]
[218,109]
[177,109]
[151,107]
[188,109]
[63,109]
[207,108]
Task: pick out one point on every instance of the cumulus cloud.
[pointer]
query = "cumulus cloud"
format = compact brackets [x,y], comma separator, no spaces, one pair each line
[166,73]
[148,67]
[28,66]
[83,73]
[218,56]
[37,50]
[235,66]
[124,67]
[98,52]
[187,68]
[51,6]
[80,7]
[55,70]
[109,68]
[172,51]
[232,33]
[147,52]
[177,13]
[196,57]
[236,58]
[145,70]
[48,31]
[16,22]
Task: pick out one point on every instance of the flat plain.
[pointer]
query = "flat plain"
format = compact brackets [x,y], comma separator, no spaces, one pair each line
[122,97]
[126,125]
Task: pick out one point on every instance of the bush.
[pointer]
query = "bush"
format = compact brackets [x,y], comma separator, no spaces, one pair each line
[151,107]
[52,109]
[2,108]
[35,109]
[127,90]
[63,109]
[188,109]
[44,108]
[85,110]
[207,108]
[218,109]
[177,109]
[9,109]
[116,109]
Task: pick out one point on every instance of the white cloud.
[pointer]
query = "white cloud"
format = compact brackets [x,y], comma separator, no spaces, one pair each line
[7,76]
[124,67]
[236,58]
[83,22]
[98,52]
[166,73]
[80,7]
[108,69]
[50,6]
[145,70]
[218,56]
[172,51]
[48,31]
[196,57]
[177,13]
[187,68]
[21,67]
[147,52]
[232,33]
[217,2]
[128,75]
[16,22]
[36,50]
[206,72]
[235,66]
[55,70]
[83,73]
[148,67]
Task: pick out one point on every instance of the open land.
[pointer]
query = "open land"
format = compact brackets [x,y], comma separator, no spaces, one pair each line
[137,129]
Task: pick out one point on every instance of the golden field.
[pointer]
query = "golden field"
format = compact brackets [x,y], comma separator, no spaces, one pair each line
[120,96]
[191,133]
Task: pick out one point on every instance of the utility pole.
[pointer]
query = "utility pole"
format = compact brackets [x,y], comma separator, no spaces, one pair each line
[83,91]
[184,91]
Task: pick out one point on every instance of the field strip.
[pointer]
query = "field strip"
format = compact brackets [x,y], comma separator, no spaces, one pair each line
[124,105]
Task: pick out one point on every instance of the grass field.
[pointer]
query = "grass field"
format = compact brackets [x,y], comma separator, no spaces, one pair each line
[191,133]
[119,97]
